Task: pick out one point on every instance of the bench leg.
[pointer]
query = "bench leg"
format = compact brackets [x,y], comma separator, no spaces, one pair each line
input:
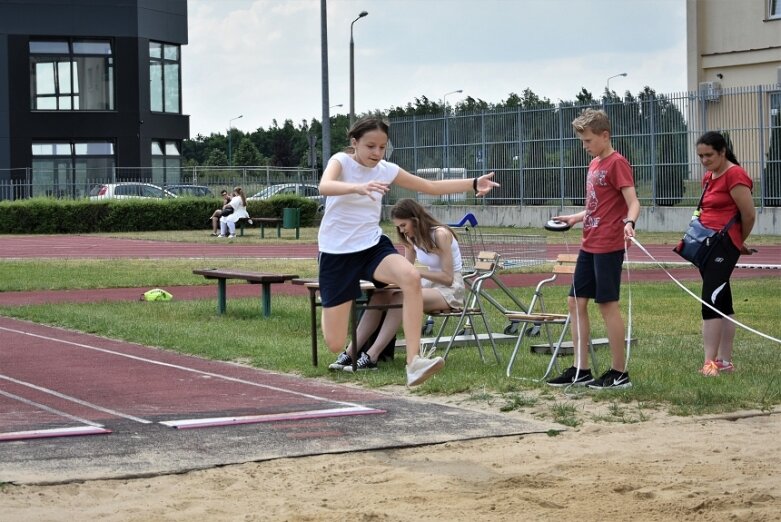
[297,232]
[354,335]
[262,231]
[313,322]
[265,299]
[241,229]
[221,297]
[279,230]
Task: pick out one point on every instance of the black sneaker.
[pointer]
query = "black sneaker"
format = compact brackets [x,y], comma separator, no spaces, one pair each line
[568,378]
[364,363]
[343,360]
[611,380]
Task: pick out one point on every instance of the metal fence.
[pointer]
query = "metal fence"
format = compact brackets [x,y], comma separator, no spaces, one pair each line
[538,159]
[68,182]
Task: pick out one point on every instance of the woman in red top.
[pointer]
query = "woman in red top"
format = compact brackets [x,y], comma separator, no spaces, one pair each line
[727,194]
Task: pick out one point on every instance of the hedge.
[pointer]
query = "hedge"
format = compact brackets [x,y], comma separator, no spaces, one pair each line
[61,216]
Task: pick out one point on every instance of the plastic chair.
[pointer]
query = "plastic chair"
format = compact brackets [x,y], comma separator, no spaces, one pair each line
[485,266]
[468,219]
[537,314]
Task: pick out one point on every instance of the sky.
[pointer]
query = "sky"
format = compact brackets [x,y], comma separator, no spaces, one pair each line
[261,59]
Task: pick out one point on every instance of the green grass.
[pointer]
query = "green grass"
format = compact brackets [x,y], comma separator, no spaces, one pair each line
[663,366]
[309,235]
[63,274]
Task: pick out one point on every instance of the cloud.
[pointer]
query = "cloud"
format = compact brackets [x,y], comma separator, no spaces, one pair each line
[261,58]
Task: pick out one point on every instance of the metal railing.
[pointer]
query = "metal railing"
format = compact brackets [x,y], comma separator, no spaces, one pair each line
[76,182]
[538,159]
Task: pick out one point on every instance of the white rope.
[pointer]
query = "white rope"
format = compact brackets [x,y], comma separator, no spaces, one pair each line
[629,309]
[738,323]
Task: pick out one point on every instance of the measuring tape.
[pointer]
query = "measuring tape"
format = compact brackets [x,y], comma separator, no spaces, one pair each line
[737,323]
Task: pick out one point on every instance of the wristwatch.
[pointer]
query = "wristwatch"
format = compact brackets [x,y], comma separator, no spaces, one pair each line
[627,220]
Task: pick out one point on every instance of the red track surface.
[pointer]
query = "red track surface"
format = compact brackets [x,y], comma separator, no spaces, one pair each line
[70,246]
[101,380]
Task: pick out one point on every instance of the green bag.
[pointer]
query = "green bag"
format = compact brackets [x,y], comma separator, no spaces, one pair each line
[156,294]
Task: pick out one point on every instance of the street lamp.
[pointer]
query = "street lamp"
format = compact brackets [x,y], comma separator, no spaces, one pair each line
[447,131]
[230,142]
[338,105]
[607,88]
[352,69]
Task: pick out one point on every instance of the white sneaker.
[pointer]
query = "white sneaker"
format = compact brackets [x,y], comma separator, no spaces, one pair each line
[222,235]
[421,369]
[231,236]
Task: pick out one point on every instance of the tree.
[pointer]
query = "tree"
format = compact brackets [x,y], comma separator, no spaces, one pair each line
[217,158]
[247,154]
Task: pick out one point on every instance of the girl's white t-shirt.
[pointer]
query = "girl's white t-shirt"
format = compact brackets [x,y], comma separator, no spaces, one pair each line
[351,222]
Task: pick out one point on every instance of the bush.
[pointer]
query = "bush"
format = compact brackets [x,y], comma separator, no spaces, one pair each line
[58,216]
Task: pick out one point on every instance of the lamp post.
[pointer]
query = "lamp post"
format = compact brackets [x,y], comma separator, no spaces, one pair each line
[447,131]
[352,68]
[230,140]
[607,88]
[326,127]
[338,105]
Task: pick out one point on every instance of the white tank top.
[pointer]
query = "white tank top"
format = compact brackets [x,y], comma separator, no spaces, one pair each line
[434,261]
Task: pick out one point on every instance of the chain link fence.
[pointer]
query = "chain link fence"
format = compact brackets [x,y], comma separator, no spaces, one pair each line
[538,159]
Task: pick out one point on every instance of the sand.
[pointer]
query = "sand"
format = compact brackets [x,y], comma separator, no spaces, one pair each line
[621,463]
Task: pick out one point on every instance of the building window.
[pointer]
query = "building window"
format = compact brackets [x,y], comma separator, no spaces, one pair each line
[166,163]
[164,77]
[69,169]
[774,9]
[71,75]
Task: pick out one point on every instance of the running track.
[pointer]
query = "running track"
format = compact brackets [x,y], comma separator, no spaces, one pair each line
[89,246]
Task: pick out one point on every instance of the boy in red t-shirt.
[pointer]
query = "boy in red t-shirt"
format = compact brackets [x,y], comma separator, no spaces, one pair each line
[609,220]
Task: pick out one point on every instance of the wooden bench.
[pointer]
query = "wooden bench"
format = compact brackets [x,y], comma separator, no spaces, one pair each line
[360,304]
[263,222]
[263,279]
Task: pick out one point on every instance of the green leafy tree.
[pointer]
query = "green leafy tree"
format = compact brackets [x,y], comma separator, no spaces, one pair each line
[217,158]
[247,154]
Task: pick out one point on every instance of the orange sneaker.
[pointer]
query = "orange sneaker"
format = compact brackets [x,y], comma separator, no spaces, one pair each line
[710,369]
[724,366]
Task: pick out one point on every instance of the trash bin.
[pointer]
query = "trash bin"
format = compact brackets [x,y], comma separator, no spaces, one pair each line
[291,218]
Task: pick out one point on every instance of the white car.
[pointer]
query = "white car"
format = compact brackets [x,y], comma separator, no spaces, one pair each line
[304,190]
[128,190]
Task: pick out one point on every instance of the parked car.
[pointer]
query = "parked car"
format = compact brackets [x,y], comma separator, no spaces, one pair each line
[200,191]
[128,190]
[305,190]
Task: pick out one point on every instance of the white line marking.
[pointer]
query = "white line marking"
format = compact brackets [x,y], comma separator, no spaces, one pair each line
[50,409]
[183,424]
[55,432]
[183,368]
[73,399]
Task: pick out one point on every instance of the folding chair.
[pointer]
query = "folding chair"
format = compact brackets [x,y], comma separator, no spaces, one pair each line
[485,266]
[537,314]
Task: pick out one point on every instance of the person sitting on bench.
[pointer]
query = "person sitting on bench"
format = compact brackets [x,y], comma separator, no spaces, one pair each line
[217,214]
[239,205]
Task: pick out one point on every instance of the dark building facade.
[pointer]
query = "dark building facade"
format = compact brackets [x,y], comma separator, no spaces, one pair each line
[90,91]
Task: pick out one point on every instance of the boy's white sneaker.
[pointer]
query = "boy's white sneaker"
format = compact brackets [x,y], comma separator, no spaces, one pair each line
[421,369]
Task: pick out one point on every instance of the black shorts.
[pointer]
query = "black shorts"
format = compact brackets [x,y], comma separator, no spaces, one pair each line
[715,272]
[341,274]
[598,276]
